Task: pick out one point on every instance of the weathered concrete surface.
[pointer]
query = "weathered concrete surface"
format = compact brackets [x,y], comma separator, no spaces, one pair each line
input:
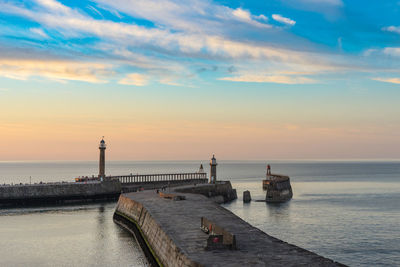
[24,194]
[172,229]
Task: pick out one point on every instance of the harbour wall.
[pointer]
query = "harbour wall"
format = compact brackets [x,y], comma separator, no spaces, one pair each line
[58,192]
[220,192]
[172,233]
[159,248]
[133,187]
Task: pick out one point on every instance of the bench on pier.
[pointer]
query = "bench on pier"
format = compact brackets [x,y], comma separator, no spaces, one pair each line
[171,196]
[218,238]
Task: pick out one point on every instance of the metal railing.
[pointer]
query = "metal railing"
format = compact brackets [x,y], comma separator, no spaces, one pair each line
[146,178]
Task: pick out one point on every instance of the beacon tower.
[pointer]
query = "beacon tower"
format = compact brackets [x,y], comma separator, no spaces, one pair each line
[102,163]
[213,170]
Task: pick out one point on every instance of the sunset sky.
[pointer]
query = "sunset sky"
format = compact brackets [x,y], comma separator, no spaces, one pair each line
[165,79]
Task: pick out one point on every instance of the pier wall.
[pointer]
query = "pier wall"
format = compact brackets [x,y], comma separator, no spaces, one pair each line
[133,187]
[58,192]
[221,192]
[157,245]
[172,233]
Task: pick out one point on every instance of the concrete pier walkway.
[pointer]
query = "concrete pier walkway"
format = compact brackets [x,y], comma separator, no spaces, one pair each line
[172,229]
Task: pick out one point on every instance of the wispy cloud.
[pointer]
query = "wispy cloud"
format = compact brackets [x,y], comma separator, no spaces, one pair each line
[162,38]
[392,51]
[39,32]
[180,34]
[136,79]
[283,79]
[284,20]
[190,16]
[395,29]
[23,69]
[388,80]
[324,2]
[246,16]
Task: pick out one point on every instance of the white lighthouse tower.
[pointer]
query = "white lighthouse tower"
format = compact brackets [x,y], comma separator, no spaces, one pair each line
[213,170]
[102,163]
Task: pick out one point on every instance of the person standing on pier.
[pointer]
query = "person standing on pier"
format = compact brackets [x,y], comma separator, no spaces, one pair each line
[268,170]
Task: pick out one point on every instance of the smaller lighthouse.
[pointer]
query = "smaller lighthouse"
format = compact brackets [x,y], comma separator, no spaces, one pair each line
[102,163]
[213,170]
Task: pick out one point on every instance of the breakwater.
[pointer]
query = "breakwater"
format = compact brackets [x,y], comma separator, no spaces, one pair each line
[220,192]
[136,186]
[58,192]
[177,233]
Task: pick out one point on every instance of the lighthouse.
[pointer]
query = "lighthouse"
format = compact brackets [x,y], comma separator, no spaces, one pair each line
[213,170]
[102,163]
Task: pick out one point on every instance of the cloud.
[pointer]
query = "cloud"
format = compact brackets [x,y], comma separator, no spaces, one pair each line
[58,70]
[40,32]
[56,7]
[324,2]
[161,38]
[171,81]
[392,51]
[331,9]
[395,29]
[284,20]
[256,78]
[388,80]
[136,79]
[94,10]
[169,47]
[189,16]
[246,16]
[231,69]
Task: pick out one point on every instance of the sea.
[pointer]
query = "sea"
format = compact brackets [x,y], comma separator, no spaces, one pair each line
[348,211]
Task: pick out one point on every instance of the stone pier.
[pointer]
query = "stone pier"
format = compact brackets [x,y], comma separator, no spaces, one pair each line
[172,234]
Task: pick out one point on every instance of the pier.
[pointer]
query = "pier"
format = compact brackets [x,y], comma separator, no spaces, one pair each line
[58,193]
[135,182]
[193,230]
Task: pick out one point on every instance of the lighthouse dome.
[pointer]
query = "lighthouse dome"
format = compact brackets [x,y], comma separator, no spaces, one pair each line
[213,161]
[102,144]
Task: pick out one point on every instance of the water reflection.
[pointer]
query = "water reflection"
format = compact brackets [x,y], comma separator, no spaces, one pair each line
[278,211]
[80,235]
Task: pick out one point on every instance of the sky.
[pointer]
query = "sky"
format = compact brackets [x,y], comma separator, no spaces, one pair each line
[176,80]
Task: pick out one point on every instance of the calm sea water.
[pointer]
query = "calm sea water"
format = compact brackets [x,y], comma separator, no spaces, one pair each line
[347,211]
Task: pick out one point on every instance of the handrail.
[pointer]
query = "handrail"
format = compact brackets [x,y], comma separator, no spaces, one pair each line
[141,178]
